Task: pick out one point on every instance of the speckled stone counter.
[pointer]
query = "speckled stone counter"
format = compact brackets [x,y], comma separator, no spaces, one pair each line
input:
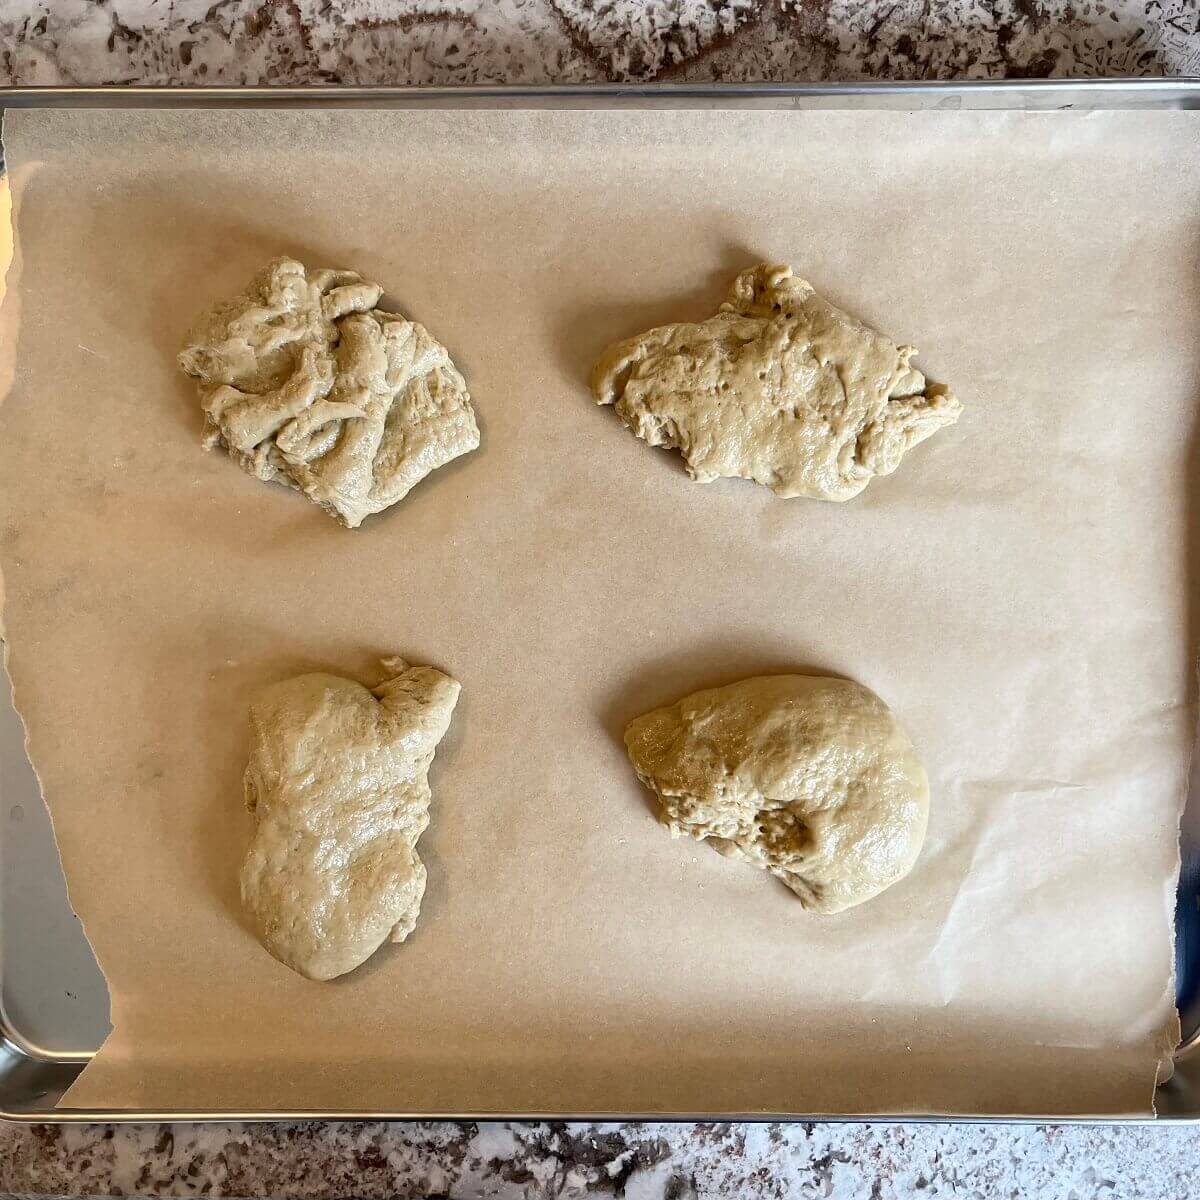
[535,41]
[639,1162]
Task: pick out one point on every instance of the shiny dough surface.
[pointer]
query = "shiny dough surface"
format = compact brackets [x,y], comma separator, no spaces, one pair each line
[338,787]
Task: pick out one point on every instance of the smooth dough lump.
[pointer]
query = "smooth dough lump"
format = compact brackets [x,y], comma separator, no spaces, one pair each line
[338,787]
[779,387]
[807,777]
[305,381]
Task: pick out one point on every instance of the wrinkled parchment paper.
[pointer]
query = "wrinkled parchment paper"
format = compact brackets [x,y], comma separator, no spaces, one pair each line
[1020,593]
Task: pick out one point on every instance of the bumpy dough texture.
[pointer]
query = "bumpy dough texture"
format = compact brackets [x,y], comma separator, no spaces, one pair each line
[303,380]
[779,387]
[809,778]
[338,786]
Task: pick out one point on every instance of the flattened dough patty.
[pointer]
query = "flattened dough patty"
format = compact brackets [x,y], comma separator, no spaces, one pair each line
[779,387]
[810,778]
[339,790]
[305,381]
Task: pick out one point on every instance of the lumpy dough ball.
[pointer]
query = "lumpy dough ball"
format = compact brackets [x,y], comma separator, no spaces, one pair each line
[779,387]
[304,380]
[807,777]
[338,787]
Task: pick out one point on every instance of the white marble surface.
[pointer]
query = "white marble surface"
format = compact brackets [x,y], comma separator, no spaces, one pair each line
[529,41]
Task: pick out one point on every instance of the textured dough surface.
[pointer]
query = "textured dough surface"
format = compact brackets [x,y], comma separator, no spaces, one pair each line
[779,387]
[810,778]
[338,787]
[306,382]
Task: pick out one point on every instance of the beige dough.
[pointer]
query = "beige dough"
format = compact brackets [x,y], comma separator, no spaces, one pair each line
[779,387]
[807,777]
[305,381]
[338,786]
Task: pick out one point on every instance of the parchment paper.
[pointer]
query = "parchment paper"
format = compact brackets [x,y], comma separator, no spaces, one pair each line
[1020,593]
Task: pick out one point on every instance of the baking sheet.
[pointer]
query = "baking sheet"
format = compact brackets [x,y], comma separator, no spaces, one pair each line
[1019,593]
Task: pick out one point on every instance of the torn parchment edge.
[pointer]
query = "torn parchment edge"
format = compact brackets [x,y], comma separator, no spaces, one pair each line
[11,185]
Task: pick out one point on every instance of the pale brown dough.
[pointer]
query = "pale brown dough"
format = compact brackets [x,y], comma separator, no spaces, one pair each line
[810,778]
[305,381]
[338,786]
[779,387]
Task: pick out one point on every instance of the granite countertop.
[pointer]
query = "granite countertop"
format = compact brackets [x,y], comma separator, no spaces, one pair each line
[535,41]
[801,1160]
[538,41]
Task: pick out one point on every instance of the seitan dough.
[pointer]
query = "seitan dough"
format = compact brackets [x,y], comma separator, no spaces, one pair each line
[305,381]
[779,387]
[338,787]
[808,777]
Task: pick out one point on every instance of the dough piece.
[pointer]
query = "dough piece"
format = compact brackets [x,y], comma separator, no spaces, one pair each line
[303,380]
[338,785]
[809,778]
[779,387]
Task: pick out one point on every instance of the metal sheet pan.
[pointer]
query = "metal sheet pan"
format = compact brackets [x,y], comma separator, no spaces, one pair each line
[53,999]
